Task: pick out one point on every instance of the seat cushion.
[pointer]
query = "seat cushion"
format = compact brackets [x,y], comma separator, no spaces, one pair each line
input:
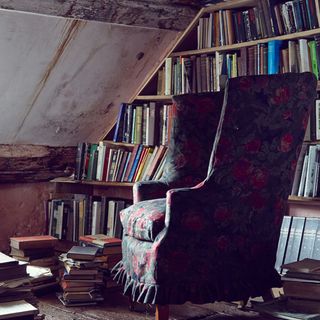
[144,220]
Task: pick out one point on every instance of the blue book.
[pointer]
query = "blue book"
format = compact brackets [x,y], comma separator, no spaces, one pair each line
[274,56]
[135,163]
[118,133]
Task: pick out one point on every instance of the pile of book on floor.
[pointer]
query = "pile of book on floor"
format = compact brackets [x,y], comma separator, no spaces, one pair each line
[36,250]
[16,298]
[301,285]
[109,249]
[81,278]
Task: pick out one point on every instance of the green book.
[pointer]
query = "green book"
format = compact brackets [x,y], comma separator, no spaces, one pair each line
[313,55]
[93,150]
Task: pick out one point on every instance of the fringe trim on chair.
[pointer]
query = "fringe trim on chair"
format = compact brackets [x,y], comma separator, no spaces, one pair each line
[196,293]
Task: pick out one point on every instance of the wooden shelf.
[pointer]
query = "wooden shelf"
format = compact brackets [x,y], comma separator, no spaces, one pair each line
[304,206]
[154,98]
[303,199]
[117,190]
[238,46]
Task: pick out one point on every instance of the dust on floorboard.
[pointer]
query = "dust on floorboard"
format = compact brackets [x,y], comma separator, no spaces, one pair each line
[116,307]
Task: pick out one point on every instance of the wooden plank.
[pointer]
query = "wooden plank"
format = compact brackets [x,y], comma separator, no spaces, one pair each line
[155,98]
[30,163]
[238,46]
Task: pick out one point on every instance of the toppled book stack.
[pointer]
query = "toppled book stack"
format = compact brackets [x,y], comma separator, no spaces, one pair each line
[36,250]
[301,285]
[81,279]
[16,298]
[109,249]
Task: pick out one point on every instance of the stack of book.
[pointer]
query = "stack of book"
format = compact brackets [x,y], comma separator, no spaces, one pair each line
[110,250]
[16,298]
[81,279]
[36,250]
[301,285]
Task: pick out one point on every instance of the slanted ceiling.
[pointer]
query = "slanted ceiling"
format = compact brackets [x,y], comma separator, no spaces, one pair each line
[62,79]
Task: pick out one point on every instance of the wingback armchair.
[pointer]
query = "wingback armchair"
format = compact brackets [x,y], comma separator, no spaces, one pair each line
[195,121]
[218,240]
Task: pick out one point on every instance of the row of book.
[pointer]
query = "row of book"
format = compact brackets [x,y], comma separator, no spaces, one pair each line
[299,239]
[148,124]
[267,19]
[207,73]
[306,180]
[69,219]
[116,163]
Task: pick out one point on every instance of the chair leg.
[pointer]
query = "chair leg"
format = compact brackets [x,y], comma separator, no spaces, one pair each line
[162,312]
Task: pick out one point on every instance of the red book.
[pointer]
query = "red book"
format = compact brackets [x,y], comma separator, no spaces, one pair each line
[133,155]
[33,242]
[101,240]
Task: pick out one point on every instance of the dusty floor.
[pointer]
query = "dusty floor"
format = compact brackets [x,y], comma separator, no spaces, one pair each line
[115,307]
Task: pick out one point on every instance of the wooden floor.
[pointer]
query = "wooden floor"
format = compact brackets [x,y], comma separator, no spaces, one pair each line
[115,307]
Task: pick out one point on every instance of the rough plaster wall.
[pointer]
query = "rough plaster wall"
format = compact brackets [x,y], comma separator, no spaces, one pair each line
[22,210]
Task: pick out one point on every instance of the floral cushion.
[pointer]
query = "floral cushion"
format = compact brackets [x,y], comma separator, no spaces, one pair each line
[144,220]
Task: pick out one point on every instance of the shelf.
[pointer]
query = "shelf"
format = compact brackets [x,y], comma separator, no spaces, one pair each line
[304,206]
[154,98]
[120,190]
[238,46]
[304,199]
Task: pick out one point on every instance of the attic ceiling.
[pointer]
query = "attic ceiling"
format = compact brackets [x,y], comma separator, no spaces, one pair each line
[62,79]
[163,14]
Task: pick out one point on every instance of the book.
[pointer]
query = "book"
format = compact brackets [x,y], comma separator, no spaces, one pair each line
[294,240]
[274,56]
[82,253]
[309,237]
[282,242]
[31,242]
[118,137]
[6,261]
[15,309]
[101,240]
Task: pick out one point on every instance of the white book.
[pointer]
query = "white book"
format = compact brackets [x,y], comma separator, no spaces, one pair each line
[96,217]
[111,214]
[298,171]
[293,61]
[101,157]
[317,119]
[304,55]
[310,171]
[15,309]
[303,176]
[151,118]
[168,76]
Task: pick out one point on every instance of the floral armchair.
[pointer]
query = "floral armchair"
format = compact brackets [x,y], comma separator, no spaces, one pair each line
[218,240]
[191,138]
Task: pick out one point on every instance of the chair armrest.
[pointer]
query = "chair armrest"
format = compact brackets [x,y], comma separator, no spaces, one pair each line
[148,190]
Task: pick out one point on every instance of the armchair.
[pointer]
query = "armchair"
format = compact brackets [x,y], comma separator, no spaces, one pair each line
[217,240]
[191,138]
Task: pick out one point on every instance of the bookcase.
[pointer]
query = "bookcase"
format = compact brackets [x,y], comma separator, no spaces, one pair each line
[228,39]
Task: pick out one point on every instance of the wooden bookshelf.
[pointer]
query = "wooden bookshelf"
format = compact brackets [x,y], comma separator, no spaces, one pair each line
[155,98]
[117,190]
[304,206]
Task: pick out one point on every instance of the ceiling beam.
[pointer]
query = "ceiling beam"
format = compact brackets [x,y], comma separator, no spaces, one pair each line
[162,14]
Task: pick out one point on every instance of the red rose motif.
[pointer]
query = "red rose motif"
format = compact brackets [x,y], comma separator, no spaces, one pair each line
[256,201]
[293,165]
[241,170]
[193,221]
[281,96]
[287,114]
[253,146]
[286,142]
[222,214]
[222,243]
[135,265]
[260,179]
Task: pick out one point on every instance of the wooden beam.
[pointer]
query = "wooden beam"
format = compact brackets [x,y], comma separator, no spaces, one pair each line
[30,163]
[163,14]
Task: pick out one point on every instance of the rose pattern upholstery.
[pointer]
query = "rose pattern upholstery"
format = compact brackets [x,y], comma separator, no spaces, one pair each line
[220,237]
[191,138]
